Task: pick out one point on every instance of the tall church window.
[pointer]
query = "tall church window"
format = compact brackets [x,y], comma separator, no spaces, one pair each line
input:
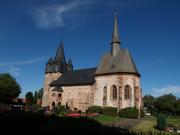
[114,92]
[105,92]
[127,92]
[104,95]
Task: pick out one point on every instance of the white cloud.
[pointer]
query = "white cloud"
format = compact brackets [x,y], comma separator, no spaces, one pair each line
[51,16]
[14,71]
[31,61]
[174,89]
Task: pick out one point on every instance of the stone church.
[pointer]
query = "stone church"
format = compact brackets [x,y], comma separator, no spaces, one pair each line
[115,82]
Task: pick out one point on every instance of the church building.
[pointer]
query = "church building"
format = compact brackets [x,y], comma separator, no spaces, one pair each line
[115,82]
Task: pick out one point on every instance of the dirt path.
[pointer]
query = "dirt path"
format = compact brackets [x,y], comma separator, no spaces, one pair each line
[126,123]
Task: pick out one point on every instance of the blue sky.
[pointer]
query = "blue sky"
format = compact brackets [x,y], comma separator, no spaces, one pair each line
[31,30]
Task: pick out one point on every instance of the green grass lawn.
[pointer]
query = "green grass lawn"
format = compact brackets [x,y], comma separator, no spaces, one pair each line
[149,123]
[174,120]
[106,119]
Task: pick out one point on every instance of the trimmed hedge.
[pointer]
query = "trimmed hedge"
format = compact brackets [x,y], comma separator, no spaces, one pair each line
[111,111]
[129,113]
[95,109]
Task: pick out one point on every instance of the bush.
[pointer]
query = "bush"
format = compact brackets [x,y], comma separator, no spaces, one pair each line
[79,111]
[95,109]
[60,110]
[111,111]
[129,113]
[161,122]
[142,113]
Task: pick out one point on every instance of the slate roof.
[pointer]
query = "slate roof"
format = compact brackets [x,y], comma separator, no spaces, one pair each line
[76,77]
[121,63]
[59,62]
[60,57]
[58,88]
[115,35]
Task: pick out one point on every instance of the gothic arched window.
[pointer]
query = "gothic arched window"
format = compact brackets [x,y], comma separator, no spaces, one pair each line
[114,92]
[104,96]
[59,95]
[127,92]
[105,93]
[53,104]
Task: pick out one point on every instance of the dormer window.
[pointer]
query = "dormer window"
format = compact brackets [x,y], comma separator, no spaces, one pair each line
[56,68]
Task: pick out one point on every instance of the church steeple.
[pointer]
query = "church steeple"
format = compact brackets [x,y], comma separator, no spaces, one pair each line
[59,60]
[115,44]
[60,53]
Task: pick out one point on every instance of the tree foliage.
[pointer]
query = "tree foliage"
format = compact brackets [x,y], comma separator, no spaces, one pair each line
[149,102]
[35,97]
[165,103]
[29,98]
[168,104]
[9,88]
[177,107]
[40,93]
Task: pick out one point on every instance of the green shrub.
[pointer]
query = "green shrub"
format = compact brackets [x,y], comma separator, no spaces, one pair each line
[161,122]
[142,113]
[129,113]
[111,111]
[60,110]
[95,109]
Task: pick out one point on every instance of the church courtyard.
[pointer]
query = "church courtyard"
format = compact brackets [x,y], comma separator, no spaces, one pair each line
[38,123]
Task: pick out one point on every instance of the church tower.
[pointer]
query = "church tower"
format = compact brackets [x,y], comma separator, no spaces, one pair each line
[54,69]
[115,43]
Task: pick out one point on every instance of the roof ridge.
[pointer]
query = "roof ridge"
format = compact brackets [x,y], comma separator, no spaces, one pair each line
[84,69]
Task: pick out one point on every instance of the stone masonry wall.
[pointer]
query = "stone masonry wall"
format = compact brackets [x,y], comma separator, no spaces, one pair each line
[75,97]
[120,81]
[46,92]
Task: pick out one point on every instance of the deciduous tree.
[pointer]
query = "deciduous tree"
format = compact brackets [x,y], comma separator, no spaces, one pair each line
[9,88]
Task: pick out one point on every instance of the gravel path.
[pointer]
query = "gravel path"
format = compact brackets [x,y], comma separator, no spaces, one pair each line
[126,123]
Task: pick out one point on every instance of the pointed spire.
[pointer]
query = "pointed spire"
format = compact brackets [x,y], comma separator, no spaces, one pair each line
[115,35]
[115,44]
[69,65]
[60,54]
[50,61]
[59,60]
[69,62]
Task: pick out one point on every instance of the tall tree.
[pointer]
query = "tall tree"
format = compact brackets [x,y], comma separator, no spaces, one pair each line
[9,88]
[29,98]
[40,93]
[35,97]
[177,107]
[149,102]
[166,103]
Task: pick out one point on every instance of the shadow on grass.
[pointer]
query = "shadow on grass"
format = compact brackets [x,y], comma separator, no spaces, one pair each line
[37,123]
